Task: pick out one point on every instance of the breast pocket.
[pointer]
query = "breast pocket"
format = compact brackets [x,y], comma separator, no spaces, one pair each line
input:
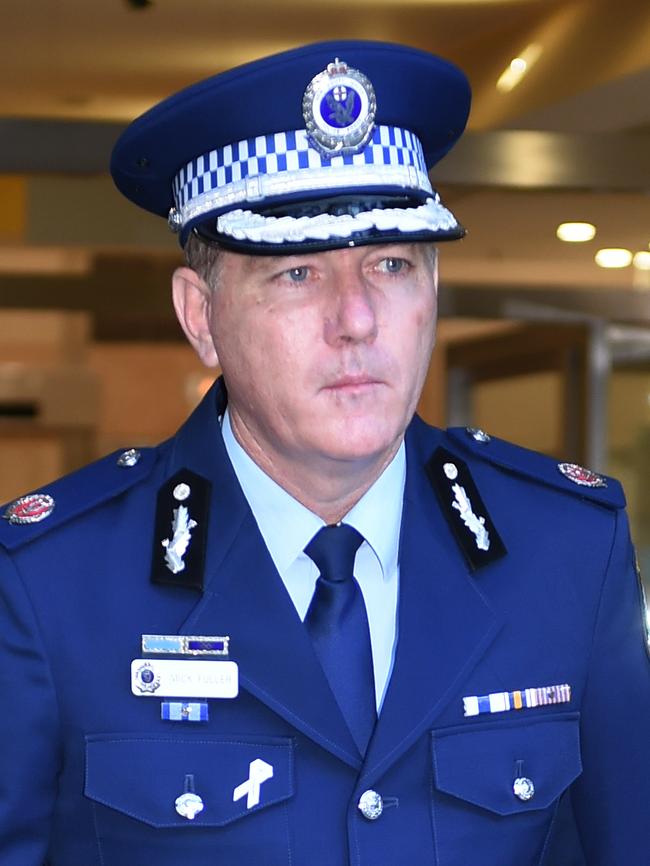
[200,800]
[497,785]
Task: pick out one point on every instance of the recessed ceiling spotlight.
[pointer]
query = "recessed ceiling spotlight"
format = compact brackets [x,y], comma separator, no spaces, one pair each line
[576,233]
[641,261]
[518,67]
[613,258]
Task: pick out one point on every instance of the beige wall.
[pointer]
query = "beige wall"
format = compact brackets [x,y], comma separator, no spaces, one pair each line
[523,409]
[147,391]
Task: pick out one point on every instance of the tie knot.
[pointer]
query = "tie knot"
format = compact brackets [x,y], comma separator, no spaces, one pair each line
[333,549]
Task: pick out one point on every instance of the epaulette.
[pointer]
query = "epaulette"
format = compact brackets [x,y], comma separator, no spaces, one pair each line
[567,477]
[34,514]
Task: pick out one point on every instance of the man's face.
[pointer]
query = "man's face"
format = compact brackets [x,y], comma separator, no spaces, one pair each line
[324,354]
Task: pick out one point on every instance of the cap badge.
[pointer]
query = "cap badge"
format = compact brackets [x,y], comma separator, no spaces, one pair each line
[339,108]
[30,509]
[580,475]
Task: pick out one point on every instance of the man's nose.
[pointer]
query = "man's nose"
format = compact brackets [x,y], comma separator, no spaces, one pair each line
[352,314]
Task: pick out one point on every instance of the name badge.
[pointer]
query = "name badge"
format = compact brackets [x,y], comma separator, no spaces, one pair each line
[174,678]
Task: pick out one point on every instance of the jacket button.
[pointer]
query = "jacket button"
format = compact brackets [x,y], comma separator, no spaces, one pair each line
[371,805]
[480,435]
[189,805]
[524,789]
[129,458]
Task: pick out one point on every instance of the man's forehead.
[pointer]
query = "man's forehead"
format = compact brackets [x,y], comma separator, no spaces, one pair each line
[256,263]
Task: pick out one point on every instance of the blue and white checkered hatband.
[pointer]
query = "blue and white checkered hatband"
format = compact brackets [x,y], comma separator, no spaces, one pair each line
[262,170]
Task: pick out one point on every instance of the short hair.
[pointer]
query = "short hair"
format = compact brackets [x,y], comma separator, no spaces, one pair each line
[204,258]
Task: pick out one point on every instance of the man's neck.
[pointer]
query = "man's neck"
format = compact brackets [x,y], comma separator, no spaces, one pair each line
[328,487]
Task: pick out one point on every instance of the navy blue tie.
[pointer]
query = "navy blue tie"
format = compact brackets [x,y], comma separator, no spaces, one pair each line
[338,626]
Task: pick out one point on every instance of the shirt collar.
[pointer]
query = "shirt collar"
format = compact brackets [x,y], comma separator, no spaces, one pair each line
[378,514]
[287,526]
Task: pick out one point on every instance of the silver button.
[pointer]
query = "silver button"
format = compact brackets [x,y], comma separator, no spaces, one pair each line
[479,435]
[174,220]
[181,492]
[524,789]
[451,471]
[129,457]
[371,805]
[188,805]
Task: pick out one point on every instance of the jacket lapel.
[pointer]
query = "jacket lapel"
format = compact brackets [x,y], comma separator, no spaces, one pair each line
[245,598]
[444,622]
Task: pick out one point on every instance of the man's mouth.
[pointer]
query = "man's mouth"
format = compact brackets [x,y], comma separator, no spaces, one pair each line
[351,383]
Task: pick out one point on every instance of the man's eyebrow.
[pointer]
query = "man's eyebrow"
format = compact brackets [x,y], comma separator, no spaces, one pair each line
[255,264]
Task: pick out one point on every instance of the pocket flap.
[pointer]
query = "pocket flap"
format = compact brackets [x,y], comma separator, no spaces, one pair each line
[479,763]
[142,776]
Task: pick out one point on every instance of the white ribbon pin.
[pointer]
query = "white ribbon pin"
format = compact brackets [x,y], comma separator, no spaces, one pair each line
[258,773]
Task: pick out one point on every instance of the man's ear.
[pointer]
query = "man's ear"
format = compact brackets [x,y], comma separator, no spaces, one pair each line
[191,296]
[434,264]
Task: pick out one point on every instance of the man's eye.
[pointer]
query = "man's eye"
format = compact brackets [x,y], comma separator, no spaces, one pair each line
[298,275]
[392,265]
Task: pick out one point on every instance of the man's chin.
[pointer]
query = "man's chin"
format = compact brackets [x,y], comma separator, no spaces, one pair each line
[359,446]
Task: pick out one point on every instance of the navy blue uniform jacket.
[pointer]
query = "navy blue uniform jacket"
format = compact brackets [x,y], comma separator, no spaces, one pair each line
[89,773]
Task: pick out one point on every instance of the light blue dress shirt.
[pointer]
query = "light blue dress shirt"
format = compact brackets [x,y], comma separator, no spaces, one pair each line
[287,527]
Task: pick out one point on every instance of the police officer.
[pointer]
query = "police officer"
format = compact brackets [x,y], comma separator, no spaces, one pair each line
[309,629]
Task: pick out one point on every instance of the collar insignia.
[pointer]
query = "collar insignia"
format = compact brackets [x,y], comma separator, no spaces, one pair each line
[464,509]
[181,531]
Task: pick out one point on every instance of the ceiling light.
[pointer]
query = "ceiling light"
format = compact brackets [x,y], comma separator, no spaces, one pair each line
[518,67]
[576,233]
[641,261]
[613,258]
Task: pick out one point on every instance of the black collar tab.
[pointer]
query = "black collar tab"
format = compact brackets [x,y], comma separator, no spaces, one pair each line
[464,509]
[181,531]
